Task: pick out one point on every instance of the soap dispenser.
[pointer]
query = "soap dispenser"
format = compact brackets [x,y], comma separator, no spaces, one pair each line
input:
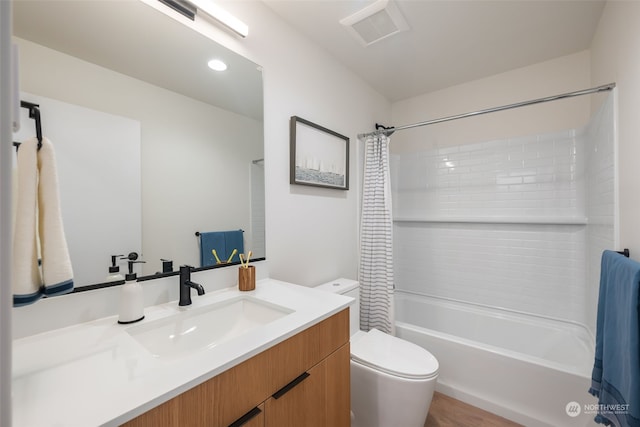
[114,270]
[131,298]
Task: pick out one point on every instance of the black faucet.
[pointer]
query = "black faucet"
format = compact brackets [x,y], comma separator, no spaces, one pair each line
[186,284]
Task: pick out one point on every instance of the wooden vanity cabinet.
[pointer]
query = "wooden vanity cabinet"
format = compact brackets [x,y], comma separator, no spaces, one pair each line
[318,400]
[320,354]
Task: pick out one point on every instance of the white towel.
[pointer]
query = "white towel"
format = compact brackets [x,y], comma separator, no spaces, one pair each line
[39,220]
[26,278]
[56,265]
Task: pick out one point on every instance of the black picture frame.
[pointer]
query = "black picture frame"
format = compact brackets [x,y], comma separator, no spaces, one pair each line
[319,157]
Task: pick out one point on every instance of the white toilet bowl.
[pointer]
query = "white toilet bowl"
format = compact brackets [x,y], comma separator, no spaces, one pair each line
[392,380]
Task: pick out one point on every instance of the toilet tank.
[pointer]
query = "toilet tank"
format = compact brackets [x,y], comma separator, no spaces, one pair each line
[350,288]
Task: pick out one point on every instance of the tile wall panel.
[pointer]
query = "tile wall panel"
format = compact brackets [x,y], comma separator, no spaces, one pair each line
[454,237]
[599,183]
[520,177]
[531,268]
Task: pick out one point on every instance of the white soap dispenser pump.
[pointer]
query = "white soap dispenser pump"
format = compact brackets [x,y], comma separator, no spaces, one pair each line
[131,298]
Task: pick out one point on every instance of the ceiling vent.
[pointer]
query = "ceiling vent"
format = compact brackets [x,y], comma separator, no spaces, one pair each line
[375,22]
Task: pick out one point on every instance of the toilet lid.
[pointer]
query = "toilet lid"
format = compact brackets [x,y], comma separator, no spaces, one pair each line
[393,356]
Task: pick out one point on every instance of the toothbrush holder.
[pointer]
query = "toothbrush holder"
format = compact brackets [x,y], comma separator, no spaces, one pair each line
[247,278]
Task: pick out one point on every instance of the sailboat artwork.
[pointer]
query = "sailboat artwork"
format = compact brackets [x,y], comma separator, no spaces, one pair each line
[319,156]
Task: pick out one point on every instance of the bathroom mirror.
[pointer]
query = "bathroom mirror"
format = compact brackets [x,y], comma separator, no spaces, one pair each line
[201,132]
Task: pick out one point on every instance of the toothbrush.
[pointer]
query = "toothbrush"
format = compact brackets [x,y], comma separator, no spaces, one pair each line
[235,251]
[244,262]
[213,251]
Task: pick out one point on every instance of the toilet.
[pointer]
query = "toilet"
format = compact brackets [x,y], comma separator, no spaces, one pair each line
[392,380]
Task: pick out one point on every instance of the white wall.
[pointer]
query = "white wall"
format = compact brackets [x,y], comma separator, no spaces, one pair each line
[615,58]
[312,233]
[564,74]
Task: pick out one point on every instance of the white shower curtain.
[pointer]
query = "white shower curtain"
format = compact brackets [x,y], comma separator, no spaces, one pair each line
[376,243]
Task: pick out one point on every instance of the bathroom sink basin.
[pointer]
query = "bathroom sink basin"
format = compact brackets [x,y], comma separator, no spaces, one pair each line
[202,328]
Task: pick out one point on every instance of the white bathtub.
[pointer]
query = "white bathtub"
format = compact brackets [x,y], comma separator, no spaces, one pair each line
[524,368]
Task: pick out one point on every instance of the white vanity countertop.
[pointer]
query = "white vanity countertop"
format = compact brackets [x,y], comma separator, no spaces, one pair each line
[96,374]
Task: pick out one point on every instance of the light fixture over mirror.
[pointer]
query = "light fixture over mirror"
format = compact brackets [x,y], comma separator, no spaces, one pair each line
[222,16]
[191,8]
[199,131]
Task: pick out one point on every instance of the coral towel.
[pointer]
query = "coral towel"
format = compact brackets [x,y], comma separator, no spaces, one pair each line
[39,224]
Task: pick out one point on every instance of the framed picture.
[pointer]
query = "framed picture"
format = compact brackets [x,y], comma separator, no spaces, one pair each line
[319,156]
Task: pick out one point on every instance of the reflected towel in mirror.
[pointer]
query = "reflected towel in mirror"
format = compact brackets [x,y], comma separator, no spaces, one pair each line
[224,242]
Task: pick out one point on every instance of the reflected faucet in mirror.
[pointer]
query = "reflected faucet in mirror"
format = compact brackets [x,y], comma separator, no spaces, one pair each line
[167,265]
[186,284]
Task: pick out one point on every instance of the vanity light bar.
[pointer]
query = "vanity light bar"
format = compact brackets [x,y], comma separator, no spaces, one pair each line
[181,7]
[222,16]
[191,7]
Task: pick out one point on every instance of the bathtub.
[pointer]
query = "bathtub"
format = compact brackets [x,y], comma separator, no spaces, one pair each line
[525,368]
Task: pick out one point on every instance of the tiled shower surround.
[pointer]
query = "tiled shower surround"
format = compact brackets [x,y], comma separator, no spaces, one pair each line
[515,223]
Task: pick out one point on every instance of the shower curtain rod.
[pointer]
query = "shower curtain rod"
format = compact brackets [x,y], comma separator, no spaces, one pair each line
[389,130]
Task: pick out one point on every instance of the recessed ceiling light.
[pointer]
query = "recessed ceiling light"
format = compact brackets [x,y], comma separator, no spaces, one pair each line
[217,65]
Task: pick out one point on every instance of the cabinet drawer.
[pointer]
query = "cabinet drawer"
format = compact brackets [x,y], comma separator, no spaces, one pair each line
[318,398]
[254,418]
[237,390]
[306,349]
[302,405]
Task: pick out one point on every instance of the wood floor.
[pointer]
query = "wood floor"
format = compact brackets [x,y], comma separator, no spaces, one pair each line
[446,411]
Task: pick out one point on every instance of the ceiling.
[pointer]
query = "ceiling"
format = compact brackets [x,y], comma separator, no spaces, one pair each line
[449,41]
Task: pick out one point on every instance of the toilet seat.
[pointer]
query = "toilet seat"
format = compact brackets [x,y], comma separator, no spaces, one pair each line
[392,355]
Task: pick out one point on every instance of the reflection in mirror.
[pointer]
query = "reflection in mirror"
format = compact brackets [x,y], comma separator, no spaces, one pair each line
[190,155]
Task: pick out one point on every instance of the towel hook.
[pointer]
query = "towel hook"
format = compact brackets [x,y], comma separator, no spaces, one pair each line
[624,252]
[34,113]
